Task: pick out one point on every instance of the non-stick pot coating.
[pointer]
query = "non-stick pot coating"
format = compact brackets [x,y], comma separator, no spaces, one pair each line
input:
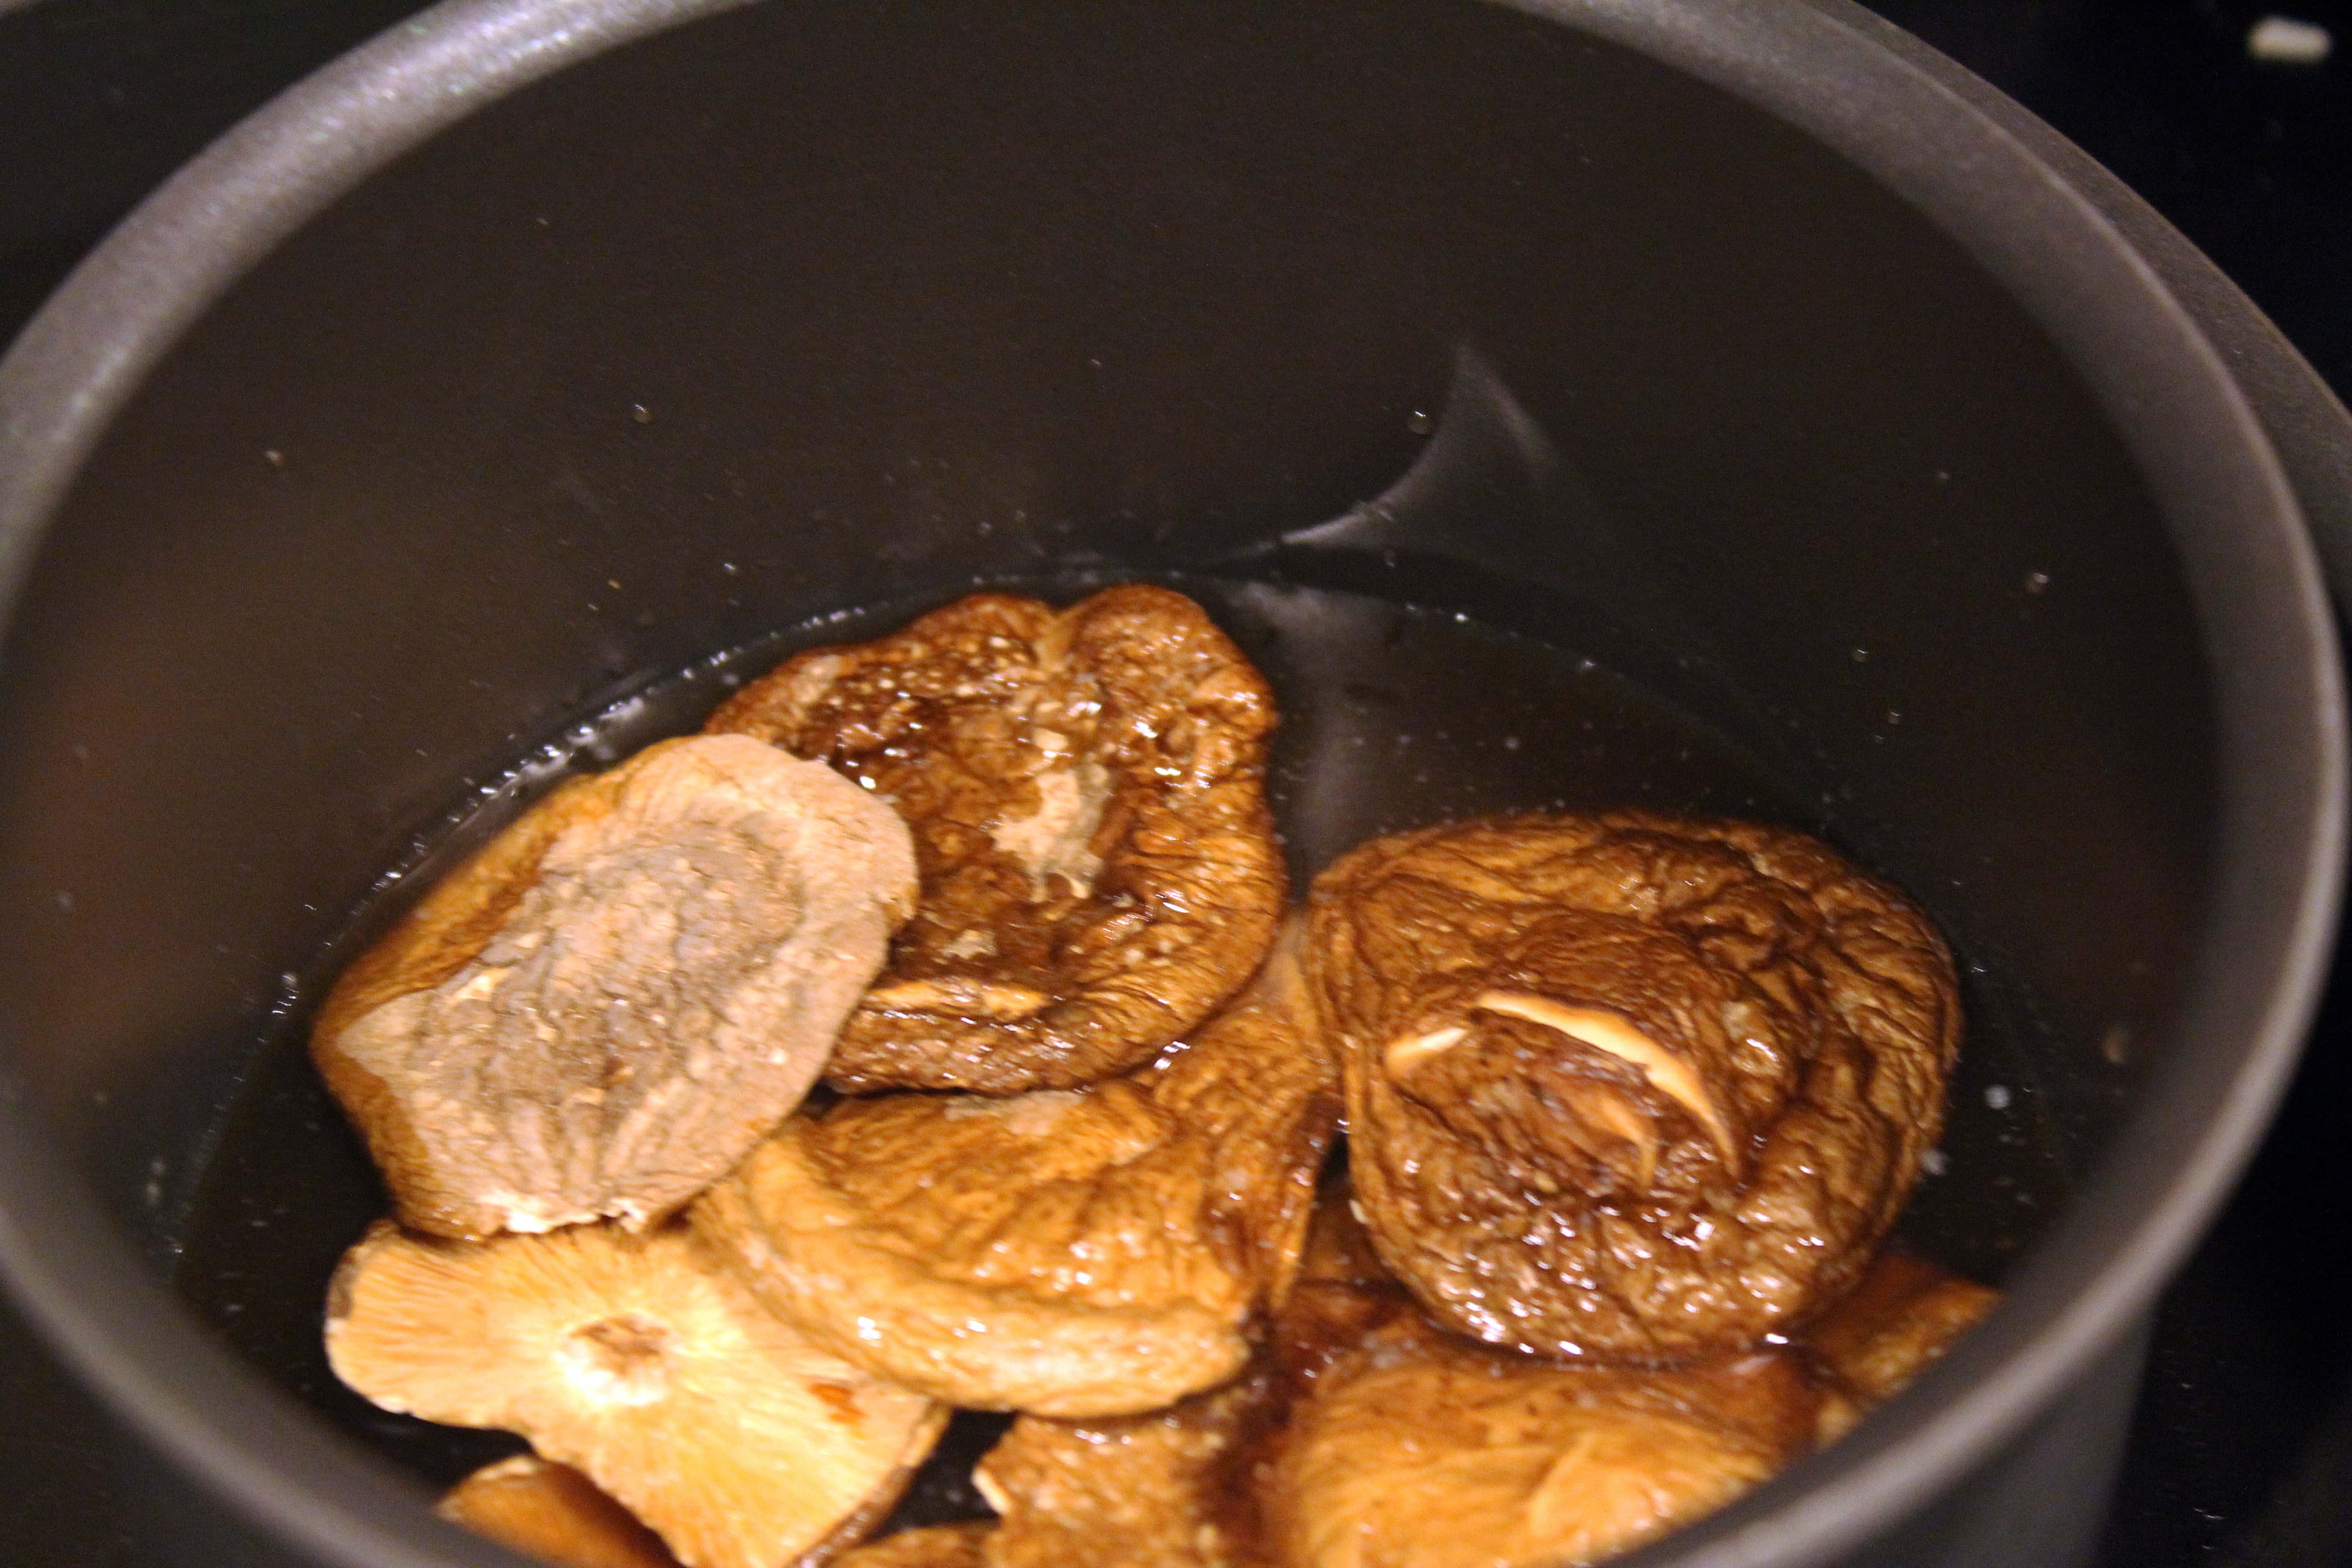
[805,307]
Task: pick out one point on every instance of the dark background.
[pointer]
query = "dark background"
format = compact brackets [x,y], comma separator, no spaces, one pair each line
[2242,1452]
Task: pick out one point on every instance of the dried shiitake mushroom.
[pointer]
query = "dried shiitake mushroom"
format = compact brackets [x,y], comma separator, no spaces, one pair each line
[1421,1450]
[636,1362]
[554,1513]
[1897,1322]
[1365,1435]
[610,1003]
[1088,1252]
[1629,1085]
[1340,1297]
[1408,1447]
[1166,1490]
[934,1546]
[1086,790]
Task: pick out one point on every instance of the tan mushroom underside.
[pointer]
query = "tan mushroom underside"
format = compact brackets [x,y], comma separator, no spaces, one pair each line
[736,1440]
[553,1513]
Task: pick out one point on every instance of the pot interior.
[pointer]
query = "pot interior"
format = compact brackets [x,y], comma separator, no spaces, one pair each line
[1553,427]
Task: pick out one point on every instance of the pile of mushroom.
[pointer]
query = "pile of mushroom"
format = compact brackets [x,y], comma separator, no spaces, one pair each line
[1630,1104]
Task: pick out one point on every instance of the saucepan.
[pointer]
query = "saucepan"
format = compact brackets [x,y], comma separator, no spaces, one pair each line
[1852,450]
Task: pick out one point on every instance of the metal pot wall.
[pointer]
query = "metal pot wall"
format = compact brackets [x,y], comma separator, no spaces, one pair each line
[543,348]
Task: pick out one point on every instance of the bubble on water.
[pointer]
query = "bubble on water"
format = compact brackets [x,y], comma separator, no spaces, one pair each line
[1997,1096]
[2289,41]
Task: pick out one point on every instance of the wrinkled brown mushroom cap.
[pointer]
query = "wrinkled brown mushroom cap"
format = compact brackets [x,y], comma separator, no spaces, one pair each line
[1086,792]
[1629,1085]
[630,1359]
[1886,1331]
[1419,1450]
[609,1003]
[1089,1252]
[1170,1489]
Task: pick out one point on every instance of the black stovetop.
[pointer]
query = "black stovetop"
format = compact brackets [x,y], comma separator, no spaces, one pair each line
[2242,1452]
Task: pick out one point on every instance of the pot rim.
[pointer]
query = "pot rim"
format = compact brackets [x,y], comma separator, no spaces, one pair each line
[2060,234]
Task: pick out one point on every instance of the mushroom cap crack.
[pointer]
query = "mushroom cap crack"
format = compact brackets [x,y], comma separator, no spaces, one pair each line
[1626,1086]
